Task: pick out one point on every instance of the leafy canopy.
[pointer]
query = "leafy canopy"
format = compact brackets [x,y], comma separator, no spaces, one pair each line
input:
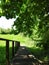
[33,16]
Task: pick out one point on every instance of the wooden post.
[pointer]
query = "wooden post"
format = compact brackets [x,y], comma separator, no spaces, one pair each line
[12,49]
[7,53]
[17,45]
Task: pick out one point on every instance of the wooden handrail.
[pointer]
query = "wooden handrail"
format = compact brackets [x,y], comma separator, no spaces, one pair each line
[17,43]
[8,39]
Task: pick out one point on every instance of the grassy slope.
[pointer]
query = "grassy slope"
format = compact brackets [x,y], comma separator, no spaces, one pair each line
[23,40]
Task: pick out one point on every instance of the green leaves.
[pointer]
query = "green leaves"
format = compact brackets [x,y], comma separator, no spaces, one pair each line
[11,8]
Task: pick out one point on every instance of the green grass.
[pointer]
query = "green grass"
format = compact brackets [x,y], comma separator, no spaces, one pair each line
[39,53]
[11,37]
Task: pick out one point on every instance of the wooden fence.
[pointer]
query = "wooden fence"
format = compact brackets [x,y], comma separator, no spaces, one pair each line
[17,45]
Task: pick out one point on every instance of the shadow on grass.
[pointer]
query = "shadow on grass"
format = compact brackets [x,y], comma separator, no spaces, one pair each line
[3,55]
[39,53]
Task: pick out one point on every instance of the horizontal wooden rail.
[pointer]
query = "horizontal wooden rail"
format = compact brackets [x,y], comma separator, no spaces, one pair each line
[8,40]
[17,43]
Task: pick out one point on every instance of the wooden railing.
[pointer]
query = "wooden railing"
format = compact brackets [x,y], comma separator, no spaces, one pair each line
[17,45]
